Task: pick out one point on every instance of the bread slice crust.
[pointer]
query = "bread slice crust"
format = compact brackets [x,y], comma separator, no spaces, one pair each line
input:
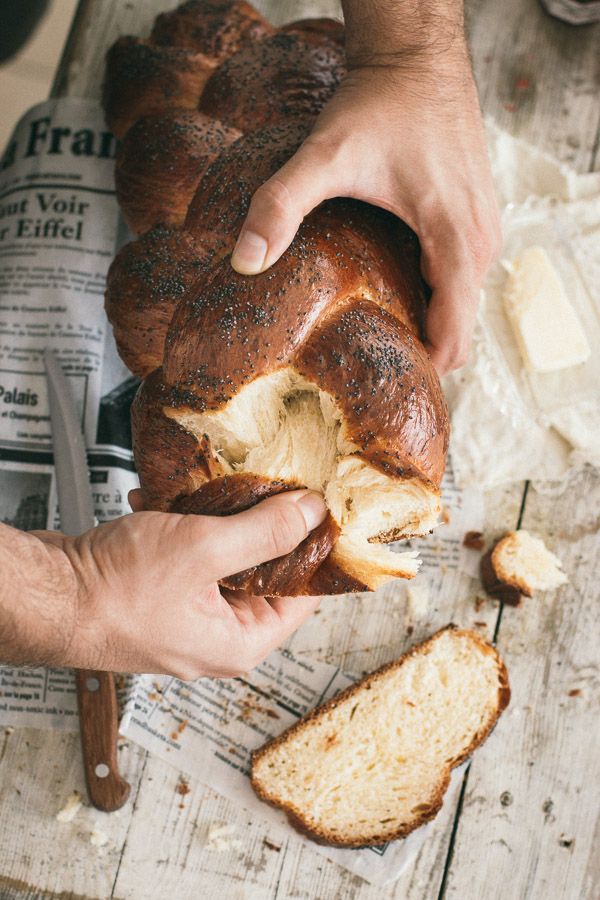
[429,808]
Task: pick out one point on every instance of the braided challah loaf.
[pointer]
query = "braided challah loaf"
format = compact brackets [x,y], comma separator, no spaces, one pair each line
[311,374]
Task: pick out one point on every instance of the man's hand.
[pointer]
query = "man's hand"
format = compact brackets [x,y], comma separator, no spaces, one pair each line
[403,132]
[140,594]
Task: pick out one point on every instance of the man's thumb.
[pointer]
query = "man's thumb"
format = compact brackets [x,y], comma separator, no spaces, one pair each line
[277,209]
[266,531]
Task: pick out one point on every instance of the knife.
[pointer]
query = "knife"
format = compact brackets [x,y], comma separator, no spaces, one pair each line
[96,694]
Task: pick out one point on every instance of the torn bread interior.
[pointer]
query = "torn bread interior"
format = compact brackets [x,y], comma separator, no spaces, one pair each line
[282,427]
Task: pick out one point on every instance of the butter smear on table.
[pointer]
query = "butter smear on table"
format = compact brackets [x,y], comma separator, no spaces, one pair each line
[546,327]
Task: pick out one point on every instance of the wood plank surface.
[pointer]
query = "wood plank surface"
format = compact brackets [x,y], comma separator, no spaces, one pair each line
[530,819]
[538,77]
[526,823]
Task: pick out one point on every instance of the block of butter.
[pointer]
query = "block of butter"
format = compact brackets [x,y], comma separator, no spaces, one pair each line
[548,332]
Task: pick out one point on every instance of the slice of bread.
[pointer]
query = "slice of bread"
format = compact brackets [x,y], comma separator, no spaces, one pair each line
[518,565]
[374,763]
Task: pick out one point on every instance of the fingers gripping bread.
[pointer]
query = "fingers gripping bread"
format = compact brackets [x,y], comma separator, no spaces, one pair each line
[312,374]
[373,763]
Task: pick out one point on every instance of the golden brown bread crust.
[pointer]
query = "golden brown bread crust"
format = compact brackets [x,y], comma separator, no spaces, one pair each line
[142,79]
[160,163]
[169,460]
[149,277]
[428,811]
[170,69]
[306,311]
[495,579]
[145,282]
[494,586]
[223,196]
[266,82]
[218,28]
[344,307]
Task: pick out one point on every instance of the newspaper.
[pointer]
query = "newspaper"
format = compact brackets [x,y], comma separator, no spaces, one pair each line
[59,230]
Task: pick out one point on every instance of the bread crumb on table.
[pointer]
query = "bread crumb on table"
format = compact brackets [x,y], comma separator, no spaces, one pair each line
[474,540]
[220,838]
[98,838]
[183,788]
[70,809]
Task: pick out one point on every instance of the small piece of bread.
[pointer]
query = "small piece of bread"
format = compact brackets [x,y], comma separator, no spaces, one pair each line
[374,763]
[518,565]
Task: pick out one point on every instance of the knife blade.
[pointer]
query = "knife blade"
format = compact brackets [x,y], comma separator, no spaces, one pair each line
[96,694]
[70,457]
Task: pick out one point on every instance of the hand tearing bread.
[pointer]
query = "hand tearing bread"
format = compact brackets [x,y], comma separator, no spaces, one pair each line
[312,374]
[374,763]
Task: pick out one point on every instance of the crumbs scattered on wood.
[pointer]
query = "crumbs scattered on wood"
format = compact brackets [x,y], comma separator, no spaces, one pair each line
[576,692]
[547,807]
[183,787]
[565,842]
[157,695]
[220,838]
[506,798]
[271,846]
[70,809]
[98,838]
[250,706]
[474,540]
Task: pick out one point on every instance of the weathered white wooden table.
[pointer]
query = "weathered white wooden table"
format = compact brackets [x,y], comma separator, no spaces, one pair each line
[526,822]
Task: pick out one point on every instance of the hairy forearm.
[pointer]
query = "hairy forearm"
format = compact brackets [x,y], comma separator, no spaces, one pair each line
[407,33]
[38,598]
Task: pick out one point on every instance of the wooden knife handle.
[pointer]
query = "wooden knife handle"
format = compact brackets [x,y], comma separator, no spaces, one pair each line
[98,724]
